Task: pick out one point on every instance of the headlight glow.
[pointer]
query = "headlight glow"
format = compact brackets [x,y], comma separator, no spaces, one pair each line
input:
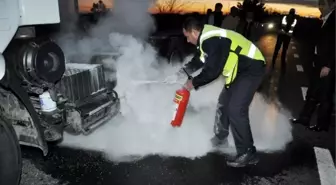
[270,26]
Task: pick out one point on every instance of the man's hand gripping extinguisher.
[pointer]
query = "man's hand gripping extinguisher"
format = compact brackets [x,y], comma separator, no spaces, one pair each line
[180,104]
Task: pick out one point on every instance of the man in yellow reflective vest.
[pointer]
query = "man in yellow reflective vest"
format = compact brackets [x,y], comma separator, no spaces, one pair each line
[227,53]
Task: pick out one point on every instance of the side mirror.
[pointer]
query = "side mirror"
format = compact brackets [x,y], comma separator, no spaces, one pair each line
[2,66]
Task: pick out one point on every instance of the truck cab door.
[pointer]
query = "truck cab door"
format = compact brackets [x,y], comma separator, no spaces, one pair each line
[9,23]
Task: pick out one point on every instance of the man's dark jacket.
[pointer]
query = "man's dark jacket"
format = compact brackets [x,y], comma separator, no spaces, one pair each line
[217,49]
[326,44]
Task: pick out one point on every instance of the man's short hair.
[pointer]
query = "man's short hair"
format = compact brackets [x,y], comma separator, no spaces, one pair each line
[233,9]
[191,23]
[218,5]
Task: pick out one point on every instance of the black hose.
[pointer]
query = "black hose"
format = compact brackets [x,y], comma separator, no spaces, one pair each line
[189,77]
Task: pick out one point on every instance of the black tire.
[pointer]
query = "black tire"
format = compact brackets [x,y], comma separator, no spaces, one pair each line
[10,155]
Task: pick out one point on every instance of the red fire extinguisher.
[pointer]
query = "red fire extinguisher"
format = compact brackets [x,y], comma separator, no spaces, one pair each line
[181,102]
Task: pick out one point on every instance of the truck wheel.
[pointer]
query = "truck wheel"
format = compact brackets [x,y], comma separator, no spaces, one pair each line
[10,155]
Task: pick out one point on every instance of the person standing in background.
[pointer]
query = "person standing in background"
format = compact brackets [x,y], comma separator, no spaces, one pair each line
[287,26]
[231,21]
[209,18]
[101,6]
[252,28]
[218,15]
[322,83]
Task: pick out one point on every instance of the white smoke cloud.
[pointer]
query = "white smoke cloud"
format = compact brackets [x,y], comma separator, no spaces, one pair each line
[144,126]
[128,17]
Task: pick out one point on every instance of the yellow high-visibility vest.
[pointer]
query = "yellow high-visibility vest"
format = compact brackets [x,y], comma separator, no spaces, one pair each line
[239,46]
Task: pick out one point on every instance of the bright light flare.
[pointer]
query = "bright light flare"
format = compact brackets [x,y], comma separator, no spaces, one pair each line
[270,26]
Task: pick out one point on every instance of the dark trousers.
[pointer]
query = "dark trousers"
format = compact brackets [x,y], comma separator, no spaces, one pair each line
[320,91]
[283,40]
[233,109]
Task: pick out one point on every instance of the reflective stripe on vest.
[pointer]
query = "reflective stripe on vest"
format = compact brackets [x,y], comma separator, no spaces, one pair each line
[284,21]
[231,66]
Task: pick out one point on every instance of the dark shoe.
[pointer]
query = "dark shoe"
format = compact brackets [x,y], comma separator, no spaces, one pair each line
[317,128]
[241,160]
[299,121]
[217,142]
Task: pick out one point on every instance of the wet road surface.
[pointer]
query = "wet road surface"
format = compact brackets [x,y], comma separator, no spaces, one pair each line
[296,165]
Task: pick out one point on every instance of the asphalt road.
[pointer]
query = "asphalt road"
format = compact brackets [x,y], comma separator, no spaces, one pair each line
[306,159]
